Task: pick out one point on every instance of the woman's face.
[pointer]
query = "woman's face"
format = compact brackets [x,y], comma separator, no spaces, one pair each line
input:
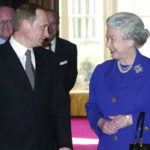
[118,47]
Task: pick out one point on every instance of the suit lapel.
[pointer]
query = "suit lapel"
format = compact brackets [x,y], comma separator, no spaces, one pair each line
[58,47]
[13,65]
[40,69]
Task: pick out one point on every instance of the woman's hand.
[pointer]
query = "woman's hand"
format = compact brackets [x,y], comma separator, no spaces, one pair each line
[117,122]
[106,126]
[121,121]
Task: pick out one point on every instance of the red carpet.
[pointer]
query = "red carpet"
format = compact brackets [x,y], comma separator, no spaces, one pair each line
[83,137]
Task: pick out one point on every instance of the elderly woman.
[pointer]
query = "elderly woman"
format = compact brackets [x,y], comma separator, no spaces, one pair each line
[120,88]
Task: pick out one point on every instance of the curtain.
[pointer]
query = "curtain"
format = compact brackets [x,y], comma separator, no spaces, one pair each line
[52,4]
[110,7]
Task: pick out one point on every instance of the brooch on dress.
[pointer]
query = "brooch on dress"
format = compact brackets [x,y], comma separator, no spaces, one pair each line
[138,68]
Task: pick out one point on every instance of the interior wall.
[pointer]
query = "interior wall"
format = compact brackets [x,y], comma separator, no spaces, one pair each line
[14,3]
[52,4]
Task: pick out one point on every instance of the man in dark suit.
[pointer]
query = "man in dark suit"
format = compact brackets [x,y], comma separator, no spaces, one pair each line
[65,51]
[33,112]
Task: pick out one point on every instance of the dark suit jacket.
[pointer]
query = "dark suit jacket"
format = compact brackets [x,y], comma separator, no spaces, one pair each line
[67,55]
[32,120]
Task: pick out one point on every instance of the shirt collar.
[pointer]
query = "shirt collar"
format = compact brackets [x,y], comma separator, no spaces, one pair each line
[19,48]
[2,41]
[54,41]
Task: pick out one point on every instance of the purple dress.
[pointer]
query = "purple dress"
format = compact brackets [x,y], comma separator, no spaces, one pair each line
[113,93]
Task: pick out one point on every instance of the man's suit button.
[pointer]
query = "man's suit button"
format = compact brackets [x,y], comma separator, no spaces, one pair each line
[114,100]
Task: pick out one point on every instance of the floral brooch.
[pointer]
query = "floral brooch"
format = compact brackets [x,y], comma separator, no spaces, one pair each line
[138,68]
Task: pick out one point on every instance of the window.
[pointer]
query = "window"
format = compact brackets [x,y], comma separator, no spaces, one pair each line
[85,28]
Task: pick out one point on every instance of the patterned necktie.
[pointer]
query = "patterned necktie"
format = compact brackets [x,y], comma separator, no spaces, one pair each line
[29,68]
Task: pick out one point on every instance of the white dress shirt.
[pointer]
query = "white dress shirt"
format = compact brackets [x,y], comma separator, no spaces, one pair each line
[20,51]
[53,42]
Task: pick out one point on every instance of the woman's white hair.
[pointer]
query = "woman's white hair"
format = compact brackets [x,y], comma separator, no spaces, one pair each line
[131,26]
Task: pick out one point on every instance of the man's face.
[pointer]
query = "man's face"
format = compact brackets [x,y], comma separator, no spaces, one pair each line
[38,30]
[53,25]
[6,27]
